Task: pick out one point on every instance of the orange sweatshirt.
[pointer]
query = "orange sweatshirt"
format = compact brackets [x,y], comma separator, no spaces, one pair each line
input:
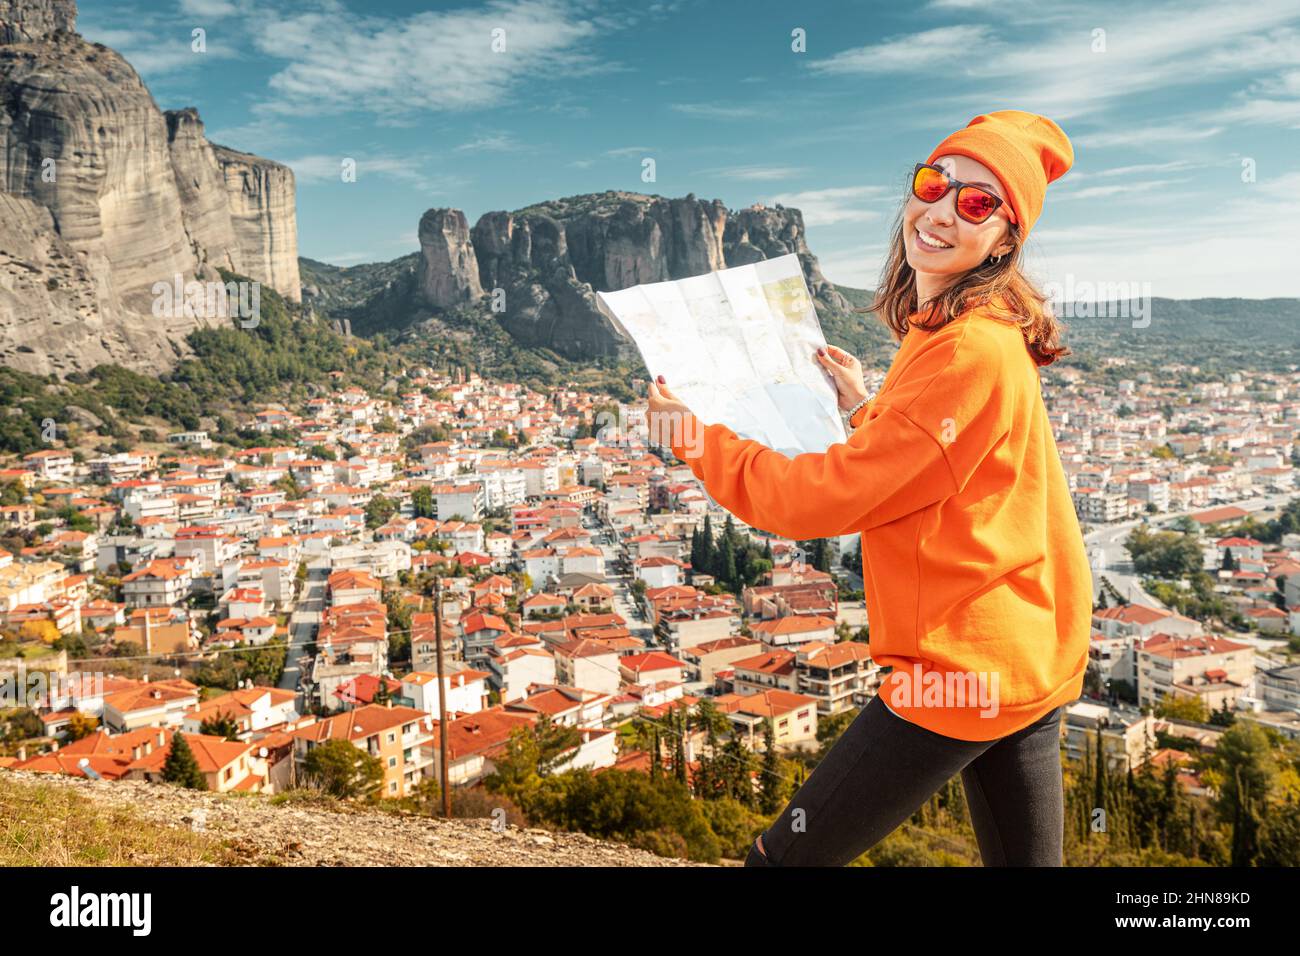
[978,589]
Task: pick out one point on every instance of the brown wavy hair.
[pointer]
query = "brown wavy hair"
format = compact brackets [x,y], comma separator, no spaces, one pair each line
[895,296]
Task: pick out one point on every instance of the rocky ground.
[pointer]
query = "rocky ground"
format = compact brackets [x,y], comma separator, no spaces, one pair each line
[254,830]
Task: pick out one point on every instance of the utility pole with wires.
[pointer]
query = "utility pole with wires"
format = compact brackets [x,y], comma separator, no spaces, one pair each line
[442,696]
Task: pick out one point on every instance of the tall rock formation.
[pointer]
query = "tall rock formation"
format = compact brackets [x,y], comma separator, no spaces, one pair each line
[135,196]
[549,259]
[760,232]
[546,305]
[205,201]
[82,136]
[27,21]
[262,194]
[54,317]
[449,272]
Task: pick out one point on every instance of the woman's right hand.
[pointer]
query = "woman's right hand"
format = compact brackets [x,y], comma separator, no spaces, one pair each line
[846,372]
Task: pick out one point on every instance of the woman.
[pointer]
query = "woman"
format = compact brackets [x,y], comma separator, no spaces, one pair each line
[977,585]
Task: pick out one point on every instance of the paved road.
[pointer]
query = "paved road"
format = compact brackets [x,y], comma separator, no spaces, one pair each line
[624,605]
[304,621]
[1108,558]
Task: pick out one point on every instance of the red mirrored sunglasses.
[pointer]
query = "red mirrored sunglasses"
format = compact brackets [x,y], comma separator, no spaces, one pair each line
[931,183]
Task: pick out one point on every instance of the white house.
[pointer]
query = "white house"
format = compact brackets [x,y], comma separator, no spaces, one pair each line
[466,691]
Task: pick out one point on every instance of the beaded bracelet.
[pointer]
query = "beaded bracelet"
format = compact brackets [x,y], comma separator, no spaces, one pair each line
[854,410]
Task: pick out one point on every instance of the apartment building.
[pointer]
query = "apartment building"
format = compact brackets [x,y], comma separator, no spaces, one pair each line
[1215,669]
[396,735]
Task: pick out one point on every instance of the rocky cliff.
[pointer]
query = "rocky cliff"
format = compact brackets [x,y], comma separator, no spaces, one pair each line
[545,262]
[54,316]
[261,194]
[26,21]
[450,273]
[134,196]
[204,199]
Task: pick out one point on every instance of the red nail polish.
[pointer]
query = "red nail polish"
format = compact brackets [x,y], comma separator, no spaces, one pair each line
[661,380]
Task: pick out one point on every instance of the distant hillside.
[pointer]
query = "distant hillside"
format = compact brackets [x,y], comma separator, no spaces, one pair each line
[1217,335]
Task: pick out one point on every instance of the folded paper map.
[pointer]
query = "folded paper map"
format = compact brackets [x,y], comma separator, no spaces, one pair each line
[737,346]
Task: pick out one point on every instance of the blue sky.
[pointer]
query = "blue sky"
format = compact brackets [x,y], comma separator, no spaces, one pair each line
[1164,103]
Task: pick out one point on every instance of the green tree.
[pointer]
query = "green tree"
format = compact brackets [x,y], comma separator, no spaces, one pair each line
[378,510]
[1279,836]
[1183,708]
[181,767]
[81,725]
[771,794]
[220,725]
[1166,554]
[422,502]
[706,561]
[1246,770]
[343,769]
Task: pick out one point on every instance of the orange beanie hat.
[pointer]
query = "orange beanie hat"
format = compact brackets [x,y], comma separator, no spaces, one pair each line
[1025,151]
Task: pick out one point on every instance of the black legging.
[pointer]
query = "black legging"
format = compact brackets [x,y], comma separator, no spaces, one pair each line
[883,768]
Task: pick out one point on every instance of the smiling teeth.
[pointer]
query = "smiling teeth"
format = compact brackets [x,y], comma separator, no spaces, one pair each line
[936,243]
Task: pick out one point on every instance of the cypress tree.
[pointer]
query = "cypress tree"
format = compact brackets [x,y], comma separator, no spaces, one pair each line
[727,565]
[679,744]
[743,566]
[706,546]
[181,767]
[821,555]
[736,769]
[770,792]
[1100,792]
[706,777]
[1245,824]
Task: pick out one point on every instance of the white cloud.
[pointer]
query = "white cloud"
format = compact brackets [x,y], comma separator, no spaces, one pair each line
[492,143]
[1257,111]
[912,53]
[1058,72]
[320,169]
[156,50]
[1154,188]
[1173,165]
[823,207]
[338,61]
[1142,134]
[213,9]
[713,111]
[857,267]
[753,173]
[624,151]
[1243,245]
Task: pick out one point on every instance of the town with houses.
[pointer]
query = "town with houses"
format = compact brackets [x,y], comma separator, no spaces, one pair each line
[563,554]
